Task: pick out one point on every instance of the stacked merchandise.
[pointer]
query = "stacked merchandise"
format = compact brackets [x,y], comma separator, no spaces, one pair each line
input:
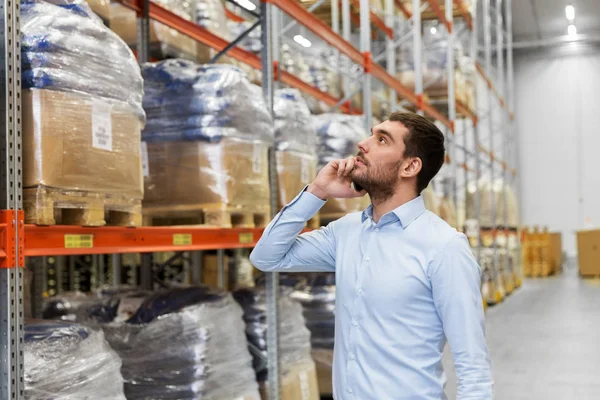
[65,360]
[295,139]
[82,118]
[299,379]
[252,43]
[338,136]
[167,42]
[181,343]
[207,135]
[317,296]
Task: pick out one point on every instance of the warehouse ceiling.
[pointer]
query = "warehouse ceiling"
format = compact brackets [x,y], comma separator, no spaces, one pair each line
[545,19]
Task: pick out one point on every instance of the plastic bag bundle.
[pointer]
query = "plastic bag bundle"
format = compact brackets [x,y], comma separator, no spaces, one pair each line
[338,136]
[294,337]
[293,127]
[317,297]
[184,343]
[252,41]
[187,101]
[70,362]
[66,47]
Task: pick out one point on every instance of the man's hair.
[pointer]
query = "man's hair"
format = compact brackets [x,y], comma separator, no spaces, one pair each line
[423,140]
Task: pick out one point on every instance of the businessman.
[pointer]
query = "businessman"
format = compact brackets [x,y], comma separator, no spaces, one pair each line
[407,283]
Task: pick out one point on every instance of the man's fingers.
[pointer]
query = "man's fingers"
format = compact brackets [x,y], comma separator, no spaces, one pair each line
[341,167]
[349,166]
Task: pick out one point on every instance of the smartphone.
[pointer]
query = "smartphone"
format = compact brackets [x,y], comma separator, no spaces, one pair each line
[357,187]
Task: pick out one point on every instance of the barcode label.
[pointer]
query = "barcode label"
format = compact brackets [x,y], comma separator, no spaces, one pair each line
[101,125]
[144,154]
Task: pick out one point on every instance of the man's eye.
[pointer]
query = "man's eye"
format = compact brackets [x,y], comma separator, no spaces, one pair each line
[382,140]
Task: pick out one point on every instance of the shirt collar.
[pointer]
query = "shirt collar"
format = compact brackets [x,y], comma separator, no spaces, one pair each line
[406,213]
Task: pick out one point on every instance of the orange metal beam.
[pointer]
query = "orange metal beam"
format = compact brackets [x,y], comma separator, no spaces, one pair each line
[70,240]
[402,7]
[319,28]
[466,112]
[440,14]
[233,16]
[378,22]
[465,13]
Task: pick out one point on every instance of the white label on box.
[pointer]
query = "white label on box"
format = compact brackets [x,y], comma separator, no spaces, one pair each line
[101,125]
[257,158]
[304,170]
[145,165]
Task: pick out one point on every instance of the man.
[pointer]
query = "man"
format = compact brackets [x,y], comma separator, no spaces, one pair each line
[407,282]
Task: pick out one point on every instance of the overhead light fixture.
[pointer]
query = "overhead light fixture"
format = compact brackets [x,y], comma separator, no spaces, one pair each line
[433,30]
[301,40]
[572,30]
[570,12]
[247,4]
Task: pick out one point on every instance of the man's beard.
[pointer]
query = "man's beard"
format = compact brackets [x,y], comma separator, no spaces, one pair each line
[378,182]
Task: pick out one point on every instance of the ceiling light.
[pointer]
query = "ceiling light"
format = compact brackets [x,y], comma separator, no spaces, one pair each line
[433,30]
[247,4]
[570,12]
[301,40]
[572,30]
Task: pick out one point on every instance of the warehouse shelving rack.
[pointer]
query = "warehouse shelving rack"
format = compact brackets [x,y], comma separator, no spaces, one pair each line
[19,240]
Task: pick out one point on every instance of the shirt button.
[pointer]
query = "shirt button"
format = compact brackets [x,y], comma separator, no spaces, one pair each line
[350,390]
[352,357]
[354,323]
[360,291]
[367,259]
[376,229]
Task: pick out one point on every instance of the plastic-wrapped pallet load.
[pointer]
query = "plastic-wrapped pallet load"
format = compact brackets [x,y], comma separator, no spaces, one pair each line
[65,360]
[338,136]
[82,118]
[298,375]
[182,343]
[207,135]
[317,296]
[168,42]
[295,138]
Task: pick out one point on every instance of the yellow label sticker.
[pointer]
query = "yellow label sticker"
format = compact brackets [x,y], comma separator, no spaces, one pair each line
[79,241]
[182,239]
[246,238]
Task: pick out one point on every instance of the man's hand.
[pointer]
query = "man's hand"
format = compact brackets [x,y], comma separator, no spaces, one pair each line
[334,181]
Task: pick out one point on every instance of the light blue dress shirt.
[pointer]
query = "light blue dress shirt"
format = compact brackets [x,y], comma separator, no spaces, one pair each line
[405,286]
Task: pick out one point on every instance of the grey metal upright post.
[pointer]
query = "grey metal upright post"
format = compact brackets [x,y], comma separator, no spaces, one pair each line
[196,259]
[390,49]
[346,35]
[147,272]
[477,198]
[11,278]
[221,268]
[365,48]
[272,279]
[451,97]
[116,269]
[143,34]
[417,50]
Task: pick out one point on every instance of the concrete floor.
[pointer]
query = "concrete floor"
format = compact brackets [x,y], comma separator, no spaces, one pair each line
[544,341]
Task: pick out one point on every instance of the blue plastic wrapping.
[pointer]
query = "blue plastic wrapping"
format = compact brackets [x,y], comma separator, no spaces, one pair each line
[66,47]
[293,127]
[68,361]
[338,136]
[187,101]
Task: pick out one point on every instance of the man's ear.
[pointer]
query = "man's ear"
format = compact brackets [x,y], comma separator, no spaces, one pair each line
[411,167]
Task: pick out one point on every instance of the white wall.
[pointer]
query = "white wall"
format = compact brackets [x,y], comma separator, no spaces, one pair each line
[557,96]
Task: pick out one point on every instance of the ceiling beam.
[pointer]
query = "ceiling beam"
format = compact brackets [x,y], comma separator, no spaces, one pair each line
[556,41]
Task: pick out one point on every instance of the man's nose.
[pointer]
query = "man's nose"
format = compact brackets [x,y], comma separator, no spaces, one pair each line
[362,146]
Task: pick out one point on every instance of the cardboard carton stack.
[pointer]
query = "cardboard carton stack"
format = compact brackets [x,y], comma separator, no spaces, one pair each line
[82,119]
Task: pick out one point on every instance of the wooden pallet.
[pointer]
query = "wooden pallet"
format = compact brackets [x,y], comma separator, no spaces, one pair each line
[221,215]
[49,206]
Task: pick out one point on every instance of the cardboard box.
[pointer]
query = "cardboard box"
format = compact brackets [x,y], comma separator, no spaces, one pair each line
[232,173]
[588,252]
[299,382]
[295,170]
[61,148]
[324,362]
[101,8]
[556,258]
[210,271]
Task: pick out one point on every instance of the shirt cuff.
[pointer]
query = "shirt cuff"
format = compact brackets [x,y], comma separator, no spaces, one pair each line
[305,205]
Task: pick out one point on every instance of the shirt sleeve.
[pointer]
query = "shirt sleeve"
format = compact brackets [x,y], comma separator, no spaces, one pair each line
[283,248]
[456,284]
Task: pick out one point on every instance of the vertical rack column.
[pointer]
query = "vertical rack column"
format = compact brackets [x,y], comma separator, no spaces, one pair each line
[451,134]
[418,54]
[476,143]
[11,204]
[390,49]
[272,278]
[365,48]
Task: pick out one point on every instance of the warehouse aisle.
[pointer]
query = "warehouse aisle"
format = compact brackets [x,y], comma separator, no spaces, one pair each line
[544,341]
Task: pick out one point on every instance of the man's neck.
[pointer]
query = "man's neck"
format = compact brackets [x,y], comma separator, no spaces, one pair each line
[382,207]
